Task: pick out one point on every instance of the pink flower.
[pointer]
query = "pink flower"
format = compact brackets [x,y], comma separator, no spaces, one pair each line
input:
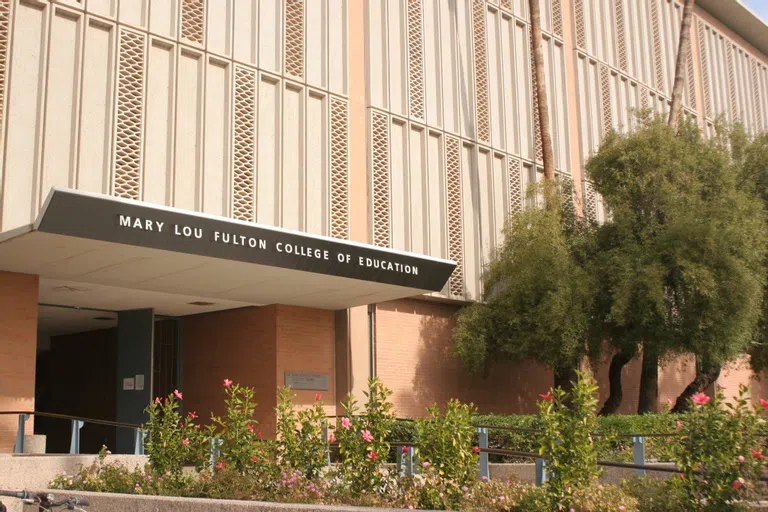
[345,423]
[670,403]
[366,436]
[741,458]
[185,441]
[250,428]
[177,394]
[193,414]
[764,404]
[759,455]
[476,449]
[332,439]
[318,397]
[700,399]
[227,383]
[157,400]
[219,465]
[405,449]
[679,425]
[410,507]
[254,459]
[621,507]
[738,483]
[484,479]
[373,456]
[548,397]
[425,464]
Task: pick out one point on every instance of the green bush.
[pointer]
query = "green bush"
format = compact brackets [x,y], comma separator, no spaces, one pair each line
[445,442]
[301,444]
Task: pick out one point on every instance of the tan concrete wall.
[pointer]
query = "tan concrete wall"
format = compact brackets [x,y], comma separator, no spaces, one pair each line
[238,345]
[18,347]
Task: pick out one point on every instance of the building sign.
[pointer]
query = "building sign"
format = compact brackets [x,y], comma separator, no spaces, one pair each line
[313,381]
[134,223]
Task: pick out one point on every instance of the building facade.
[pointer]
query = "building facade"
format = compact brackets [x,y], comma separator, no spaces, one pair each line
[396,133]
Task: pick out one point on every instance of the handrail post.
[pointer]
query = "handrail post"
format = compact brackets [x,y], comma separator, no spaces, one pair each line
[215,443]
[139,436]
[20,433]
[541,472]
[74,442]
[327,446]
[638,454]
[482,437]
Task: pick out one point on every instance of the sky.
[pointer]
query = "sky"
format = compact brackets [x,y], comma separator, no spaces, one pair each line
[759,6]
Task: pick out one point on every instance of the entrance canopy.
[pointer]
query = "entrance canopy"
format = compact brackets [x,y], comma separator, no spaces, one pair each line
[110,243]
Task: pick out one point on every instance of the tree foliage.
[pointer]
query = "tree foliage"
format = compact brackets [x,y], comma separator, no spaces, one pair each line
[537,295]
[681,259]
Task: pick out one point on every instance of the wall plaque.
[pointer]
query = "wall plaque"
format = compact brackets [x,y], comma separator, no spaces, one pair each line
[313,381]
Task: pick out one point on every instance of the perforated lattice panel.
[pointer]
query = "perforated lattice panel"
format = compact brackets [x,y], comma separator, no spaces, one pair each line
[339,169]
[455,235]
[657,57]
[481,71]
[704,62]
[245,124]
[565,186]
[605,98]
[193,20]
[691,77]
[732,82]
[294,37]
[645,98]
[130,98]
[5,16]
[380,164]
[590,201]
[581,29]
[621,35]
[515,186]
[415,59]
[506,4]
[538,144]
[557,17]
[756,93]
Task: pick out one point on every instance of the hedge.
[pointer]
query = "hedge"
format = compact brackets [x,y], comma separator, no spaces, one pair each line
[619,449]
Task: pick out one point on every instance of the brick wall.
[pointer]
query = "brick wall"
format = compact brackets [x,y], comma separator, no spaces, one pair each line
[414,358]
[18,346]
[306,343]
[238,345]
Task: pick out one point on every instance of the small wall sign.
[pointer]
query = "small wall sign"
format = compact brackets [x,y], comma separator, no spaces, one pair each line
[313,381]
[129,384]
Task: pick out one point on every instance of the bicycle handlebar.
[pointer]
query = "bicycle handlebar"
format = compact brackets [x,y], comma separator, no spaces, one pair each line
[45,501]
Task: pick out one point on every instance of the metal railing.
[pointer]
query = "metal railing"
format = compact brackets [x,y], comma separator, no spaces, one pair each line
[77,423]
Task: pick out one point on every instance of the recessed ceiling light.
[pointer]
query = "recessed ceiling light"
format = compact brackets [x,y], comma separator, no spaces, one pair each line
[201,303]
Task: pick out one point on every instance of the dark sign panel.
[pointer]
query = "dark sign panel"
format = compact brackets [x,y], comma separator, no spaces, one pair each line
[127,222]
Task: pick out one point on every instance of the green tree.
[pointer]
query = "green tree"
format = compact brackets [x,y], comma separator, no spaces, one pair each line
[681,260]
[538,292]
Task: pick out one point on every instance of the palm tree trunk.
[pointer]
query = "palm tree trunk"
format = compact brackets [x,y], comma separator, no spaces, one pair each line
[618,362]
[682,55]
[548,156]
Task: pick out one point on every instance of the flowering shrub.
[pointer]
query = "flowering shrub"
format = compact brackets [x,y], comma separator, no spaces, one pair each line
[445,442]
[569,421]
[362,438]
[301,444]
[718,452]
[242,447]
[169,441]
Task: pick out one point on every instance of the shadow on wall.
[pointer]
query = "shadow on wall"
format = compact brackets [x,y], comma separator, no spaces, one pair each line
[439,374]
